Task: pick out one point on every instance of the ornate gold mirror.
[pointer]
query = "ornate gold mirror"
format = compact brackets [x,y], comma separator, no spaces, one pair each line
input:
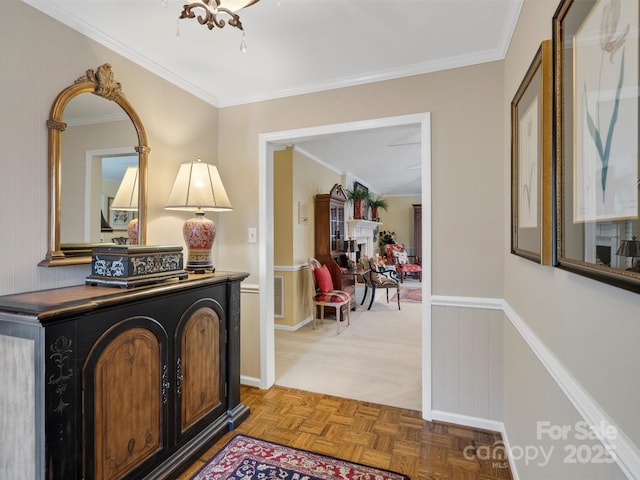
[103,135]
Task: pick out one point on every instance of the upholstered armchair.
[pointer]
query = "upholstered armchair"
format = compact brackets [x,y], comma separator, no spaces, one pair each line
[374,279]
[404,264]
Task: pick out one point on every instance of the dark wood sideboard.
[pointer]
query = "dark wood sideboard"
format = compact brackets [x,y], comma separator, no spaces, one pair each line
[126,384]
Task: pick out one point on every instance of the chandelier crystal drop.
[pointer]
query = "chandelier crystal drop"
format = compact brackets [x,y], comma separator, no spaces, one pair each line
[243,44]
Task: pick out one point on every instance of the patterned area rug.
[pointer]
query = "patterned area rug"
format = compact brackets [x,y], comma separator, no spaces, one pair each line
[408,295]
[247,458]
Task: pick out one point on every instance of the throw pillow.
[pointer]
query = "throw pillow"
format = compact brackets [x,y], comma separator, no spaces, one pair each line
[383,280]
[401,257]
[323,277]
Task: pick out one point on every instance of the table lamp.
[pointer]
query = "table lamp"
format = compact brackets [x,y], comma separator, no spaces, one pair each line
[630,248]
[198,188]
[126,200]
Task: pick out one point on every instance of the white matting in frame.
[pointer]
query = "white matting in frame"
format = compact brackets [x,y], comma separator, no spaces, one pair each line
[605,108]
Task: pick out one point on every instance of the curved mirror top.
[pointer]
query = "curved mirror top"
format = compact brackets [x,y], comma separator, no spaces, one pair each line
[94,137]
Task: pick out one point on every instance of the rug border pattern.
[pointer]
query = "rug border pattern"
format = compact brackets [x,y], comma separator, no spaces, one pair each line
[316,457]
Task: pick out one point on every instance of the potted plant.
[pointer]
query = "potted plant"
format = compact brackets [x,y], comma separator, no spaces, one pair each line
[359,198]
[376,203]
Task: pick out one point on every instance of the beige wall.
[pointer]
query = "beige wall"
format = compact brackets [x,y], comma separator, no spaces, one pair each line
[309,179]
[297,179]
[467,197]
[283,207]
[40,57]
[590,327]
[466,108]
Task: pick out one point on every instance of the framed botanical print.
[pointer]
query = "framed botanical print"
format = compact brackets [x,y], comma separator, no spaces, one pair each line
[118,219]
[532,161]
[596,49]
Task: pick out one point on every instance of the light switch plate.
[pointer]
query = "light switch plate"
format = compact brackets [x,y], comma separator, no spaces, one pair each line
[253,235]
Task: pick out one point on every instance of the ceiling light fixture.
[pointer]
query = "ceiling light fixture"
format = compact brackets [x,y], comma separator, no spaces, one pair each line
[212,9]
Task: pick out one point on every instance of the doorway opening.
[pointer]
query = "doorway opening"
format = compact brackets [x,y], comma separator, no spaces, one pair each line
[270,142]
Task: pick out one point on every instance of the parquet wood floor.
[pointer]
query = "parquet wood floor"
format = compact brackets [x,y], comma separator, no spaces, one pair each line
[376,435]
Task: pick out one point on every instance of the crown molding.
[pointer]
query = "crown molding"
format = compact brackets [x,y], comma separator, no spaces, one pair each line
[73,22]
[69,19]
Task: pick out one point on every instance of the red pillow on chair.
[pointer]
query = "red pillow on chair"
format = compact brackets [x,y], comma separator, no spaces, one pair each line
[323,277]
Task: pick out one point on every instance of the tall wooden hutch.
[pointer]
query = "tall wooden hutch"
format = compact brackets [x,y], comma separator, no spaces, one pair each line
[330,237]
[329,221]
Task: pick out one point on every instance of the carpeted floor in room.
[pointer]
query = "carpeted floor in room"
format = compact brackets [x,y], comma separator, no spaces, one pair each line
[375,359]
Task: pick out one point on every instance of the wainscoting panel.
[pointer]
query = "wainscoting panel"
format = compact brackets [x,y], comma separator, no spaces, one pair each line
[467,361]
[294,296]
[249,331]
[536,409]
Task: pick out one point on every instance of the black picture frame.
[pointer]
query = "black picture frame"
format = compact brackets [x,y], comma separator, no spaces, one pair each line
[596,133]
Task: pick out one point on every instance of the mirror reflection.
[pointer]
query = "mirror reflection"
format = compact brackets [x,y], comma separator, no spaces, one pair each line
[608,244]
[97,147]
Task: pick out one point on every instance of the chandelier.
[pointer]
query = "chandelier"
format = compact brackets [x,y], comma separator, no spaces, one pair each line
[213,9]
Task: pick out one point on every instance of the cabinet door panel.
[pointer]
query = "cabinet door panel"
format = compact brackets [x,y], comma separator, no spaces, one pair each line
[125,396]
[127,403]
[200,383]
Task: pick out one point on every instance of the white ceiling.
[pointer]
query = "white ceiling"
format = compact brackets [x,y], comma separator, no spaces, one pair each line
[386,159]
[301,46]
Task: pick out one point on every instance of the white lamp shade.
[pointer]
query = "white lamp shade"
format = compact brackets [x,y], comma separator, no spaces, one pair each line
[127,195]
[198,187]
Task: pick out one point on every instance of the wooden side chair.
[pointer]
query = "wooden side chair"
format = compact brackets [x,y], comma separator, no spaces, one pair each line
[324,295]
[375,279]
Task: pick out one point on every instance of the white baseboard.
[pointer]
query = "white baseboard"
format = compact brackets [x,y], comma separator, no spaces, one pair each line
[250,381]
[293,328]
[480,423]
[627,453]
[249,288]
[468,421]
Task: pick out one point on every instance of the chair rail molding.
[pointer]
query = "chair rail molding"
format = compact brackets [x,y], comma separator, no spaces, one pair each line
[627,454]
[289,268]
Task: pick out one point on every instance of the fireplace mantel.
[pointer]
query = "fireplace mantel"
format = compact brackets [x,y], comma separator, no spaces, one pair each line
[352,224]
[362,231]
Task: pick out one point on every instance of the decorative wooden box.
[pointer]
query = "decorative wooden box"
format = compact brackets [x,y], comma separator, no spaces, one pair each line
[128,266]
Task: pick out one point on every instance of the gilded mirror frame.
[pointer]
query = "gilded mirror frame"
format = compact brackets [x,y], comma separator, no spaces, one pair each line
[100,82]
